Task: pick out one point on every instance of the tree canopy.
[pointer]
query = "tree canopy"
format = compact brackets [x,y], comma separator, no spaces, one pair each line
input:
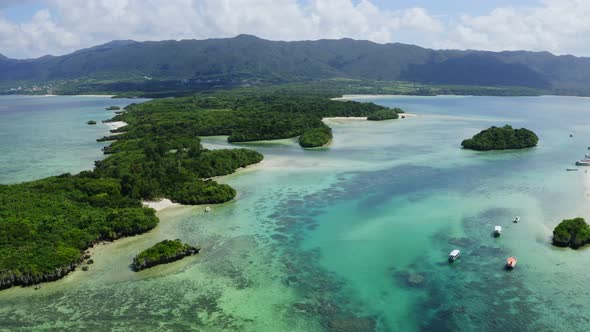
[572,233]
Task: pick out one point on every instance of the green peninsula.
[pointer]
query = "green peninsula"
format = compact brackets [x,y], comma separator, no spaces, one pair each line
[47,225]
[504,138]
[572,233]
[163,252]
[316,137]
[386,114]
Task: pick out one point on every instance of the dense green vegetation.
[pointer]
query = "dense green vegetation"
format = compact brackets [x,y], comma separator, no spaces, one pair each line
[45,224]
[384,115]
[242,115]
[153,167]
[503,138]
[316,137]
[572,233]
[163,252]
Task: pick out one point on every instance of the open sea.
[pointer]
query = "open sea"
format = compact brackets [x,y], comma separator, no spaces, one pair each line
[352,237]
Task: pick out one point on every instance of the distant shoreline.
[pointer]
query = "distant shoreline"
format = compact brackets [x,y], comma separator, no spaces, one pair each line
[370,96]
[52,95]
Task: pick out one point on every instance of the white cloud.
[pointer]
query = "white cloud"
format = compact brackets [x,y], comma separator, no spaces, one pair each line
[67,25]
[559,26]
[36,36]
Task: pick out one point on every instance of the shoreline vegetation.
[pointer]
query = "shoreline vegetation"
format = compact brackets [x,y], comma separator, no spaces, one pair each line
[46,226]
[337,88]
[504,138]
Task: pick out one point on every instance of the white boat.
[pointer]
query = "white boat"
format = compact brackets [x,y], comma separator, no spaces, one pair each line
[583,162]
[454,255]
[207,209]
[497,231]
[517,219]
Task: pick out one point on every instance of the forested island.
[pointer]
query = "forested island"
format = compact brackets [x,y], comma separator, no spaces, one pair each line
[572,233]
[47,225]
[163,252]
[501,138]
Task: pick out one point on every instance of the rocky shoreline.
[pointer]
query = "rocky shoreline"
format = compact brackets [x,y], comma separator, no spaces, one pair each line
[8,279]
[156,255]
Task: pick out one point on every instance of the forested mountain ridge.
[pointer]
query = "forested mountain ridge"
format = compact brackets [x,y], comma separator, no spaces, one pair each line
[247,59]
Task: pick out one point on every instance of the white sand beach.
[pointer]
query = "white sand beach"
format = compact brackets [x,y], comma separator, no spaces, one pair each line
[116,124]
[346,118]
[105,96]
[161,204]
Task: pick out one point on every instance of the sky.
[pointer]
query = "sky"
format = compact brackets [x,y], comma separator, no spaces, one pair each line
[33,28]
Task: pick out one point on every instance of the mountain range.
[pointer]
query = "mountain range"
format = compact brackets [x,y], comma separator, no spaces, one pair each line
[249,59]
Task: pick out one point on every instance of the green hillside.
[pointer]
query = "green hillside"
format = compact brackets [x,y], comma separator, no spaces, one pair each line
[245,60]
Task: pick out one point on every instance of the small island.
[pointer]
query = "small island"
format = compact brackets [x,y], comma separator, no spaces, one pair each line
[316,137]
[385,114]
[113,108]
[163,252]
[572,233]
[91,122]
[504,138]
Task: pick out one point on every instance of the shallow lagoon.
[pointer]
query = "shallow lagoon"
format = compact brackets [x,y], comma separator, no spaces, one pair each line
[42,136]
[355,236]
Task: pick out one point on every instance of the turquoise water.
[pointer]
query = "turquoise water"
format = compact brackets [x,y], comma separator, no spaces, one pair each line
[42,136]
[355,237]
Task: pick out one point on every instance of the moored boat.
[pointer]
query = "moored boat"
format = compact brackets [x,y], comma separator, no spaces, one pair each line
[497,231]
[511,262]
[583,162]
[454,255]
[516,219]
[207,209]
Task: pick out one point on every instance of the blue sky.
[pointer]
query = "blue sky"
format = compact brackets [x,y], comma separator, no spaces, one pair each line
[31,28]
[21,12]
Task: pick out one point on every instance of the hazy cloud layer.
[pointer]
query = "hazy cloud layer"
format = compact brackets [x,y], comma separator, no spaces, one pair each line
[558,26]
